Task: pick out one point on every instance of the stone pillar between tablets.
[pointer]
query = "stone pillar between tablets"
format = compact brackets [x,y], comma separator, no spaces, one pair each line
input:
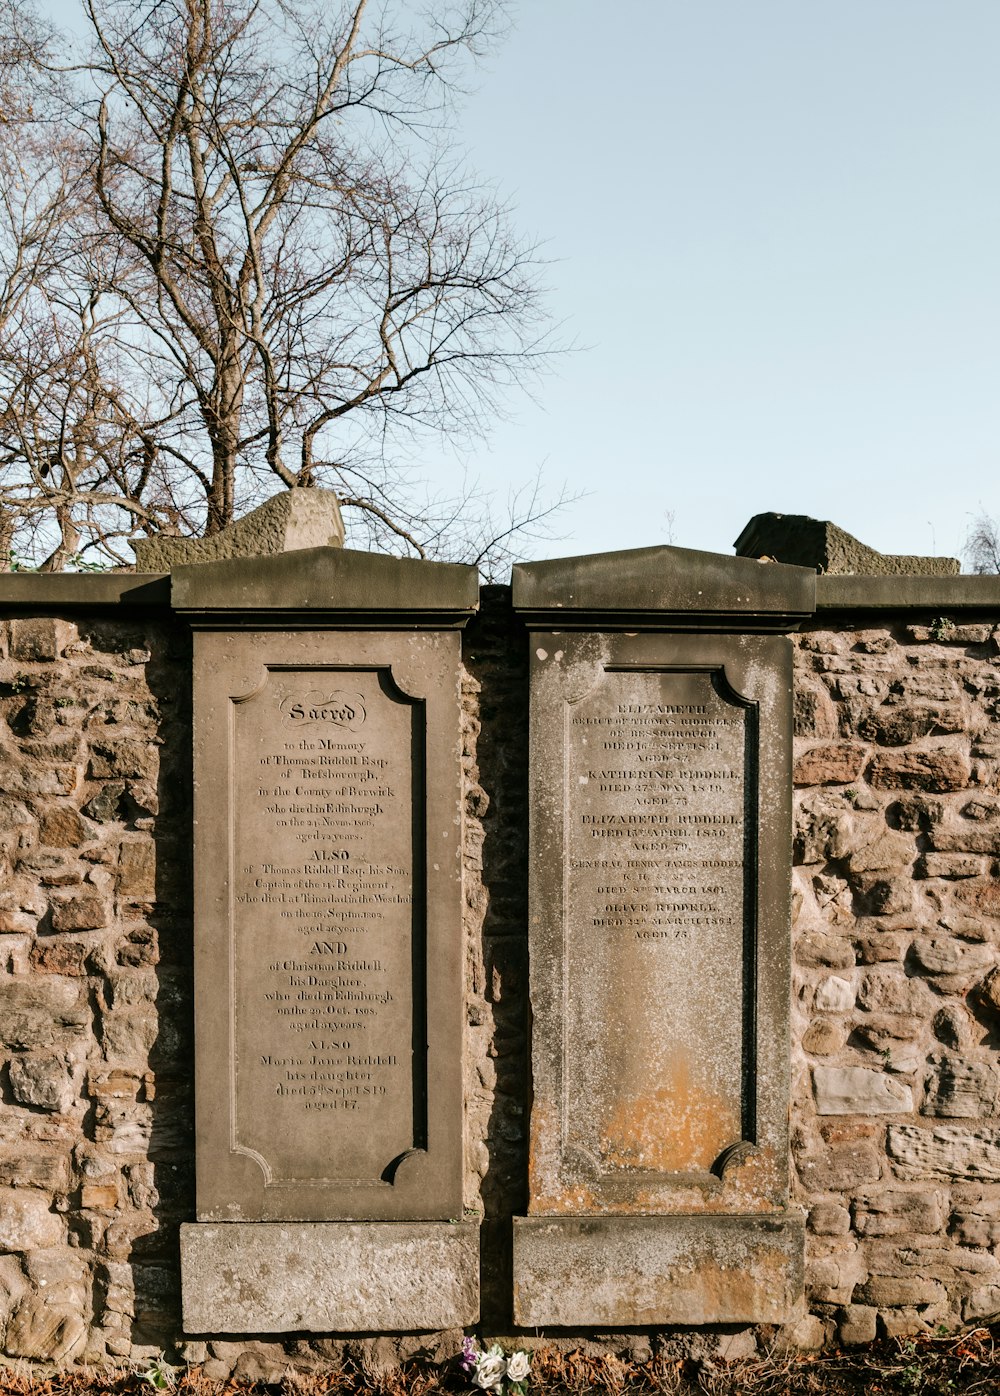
[660,797]
[328,945]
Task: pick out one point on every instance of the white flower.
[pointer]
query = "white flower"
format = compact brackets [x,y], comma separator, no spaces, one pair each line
[490,1369]
[518,1367]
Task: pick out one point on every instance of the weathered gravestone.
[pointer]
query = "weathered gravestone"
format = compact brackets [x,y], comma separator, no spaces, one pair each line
[328,945]
[659,940]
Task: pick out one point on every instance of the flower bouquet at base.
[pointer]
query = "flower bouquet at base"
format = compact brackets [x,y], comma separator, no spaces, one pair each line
[490,1370]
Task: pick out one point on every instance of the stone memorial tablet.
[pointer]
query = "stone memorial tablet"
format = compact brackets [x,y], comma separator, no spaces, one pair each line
[659,941]
[329,939]
[328,936]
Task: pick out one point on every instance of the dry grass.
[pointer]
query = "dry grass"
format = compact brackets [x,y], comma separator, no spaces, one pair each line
[966,1365]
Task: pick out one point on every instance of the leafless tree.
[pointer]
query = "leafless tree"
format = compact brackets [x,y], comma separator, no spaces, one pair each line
[982,544]
[237,257]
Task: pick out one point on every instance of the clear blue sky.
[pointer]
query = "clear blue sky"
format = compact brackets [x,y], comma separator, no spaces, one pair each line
[775,226]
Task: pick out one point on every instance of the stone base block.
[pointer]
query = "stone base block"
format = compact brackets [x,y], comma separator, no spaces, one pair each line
[329,1277]
[578,1272]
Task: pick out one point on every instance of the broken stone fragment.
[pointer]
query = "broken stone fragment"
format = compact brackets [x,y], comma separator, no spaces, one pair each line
[291,520]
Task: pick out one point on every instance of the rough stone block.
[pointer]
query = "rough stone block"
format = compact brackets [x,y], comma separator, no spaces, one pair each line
[129,1032]
[982,1303]
[886,1032]
[823,1039]
[34,778]
[42,1079]
[832,1279]
[815,950]
[124,756]
[84,912]
[41,1012]
[137,870]
[946,1151]
[855,1090]
[834,995]
[982,898]
[44,1330]
[36,1167]
[836,764]
[36,640]
[839,1167]
[953,1025]
[59,957]
[582,1272]
[947,955]
[951,865]
[888,1291]
[829,1219]
[890,1213]
[329,1276]
[885,991]
[60,826]
[960,1089]
[99,1195]
[104,807]
[888,851]
[977,1224]
[857,1325]
[919,770]
[26,1223]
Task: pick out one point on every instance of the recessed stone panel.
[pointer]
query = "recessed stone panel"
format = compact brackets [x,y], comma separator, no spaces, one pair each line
[656,766]
[328,925]
[659,922]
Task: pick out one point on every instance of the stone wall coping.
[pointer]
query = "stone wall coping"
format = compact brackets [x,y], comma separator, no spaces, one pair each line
[539,588]
[83,591]
[339,584]
[912,593]
[680,586]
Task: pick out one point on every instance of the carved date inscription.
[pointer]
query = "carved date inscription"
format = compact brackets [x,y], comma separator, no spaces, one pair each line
[327,1085]
[657,837]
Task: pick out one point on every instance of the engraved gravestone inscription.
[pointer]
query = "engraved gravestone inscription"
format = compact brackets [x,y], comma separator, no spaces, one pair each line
[326,890]
[657,851]
[328,919]
[659,828]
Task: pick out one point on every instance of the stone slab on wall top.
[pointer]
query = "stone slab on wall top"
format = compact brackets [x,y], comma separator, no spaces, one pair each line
[660,796]
[328,941]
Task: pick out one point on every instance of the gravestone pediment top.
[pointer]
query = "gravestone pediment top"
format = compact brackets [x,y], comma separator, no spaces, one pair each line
[335,581]
[664,581]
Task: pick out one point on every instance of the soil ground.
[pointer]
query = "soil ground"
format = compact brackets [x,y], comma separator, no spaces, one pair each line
[967,1363]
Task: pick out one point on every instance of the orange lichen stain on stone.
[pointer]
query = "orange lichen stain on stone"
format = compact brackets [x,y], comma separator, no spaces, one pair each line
[677,1127]
[710,1292]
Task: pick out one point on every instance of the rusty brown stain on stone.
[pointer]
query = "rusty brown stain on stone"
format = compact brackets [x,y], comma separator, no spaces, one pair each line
[677,1126]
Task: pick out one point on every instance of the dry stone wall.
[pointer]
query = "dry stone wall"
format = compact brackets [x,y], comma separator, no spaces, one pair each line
[896,1120]
[896,989]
